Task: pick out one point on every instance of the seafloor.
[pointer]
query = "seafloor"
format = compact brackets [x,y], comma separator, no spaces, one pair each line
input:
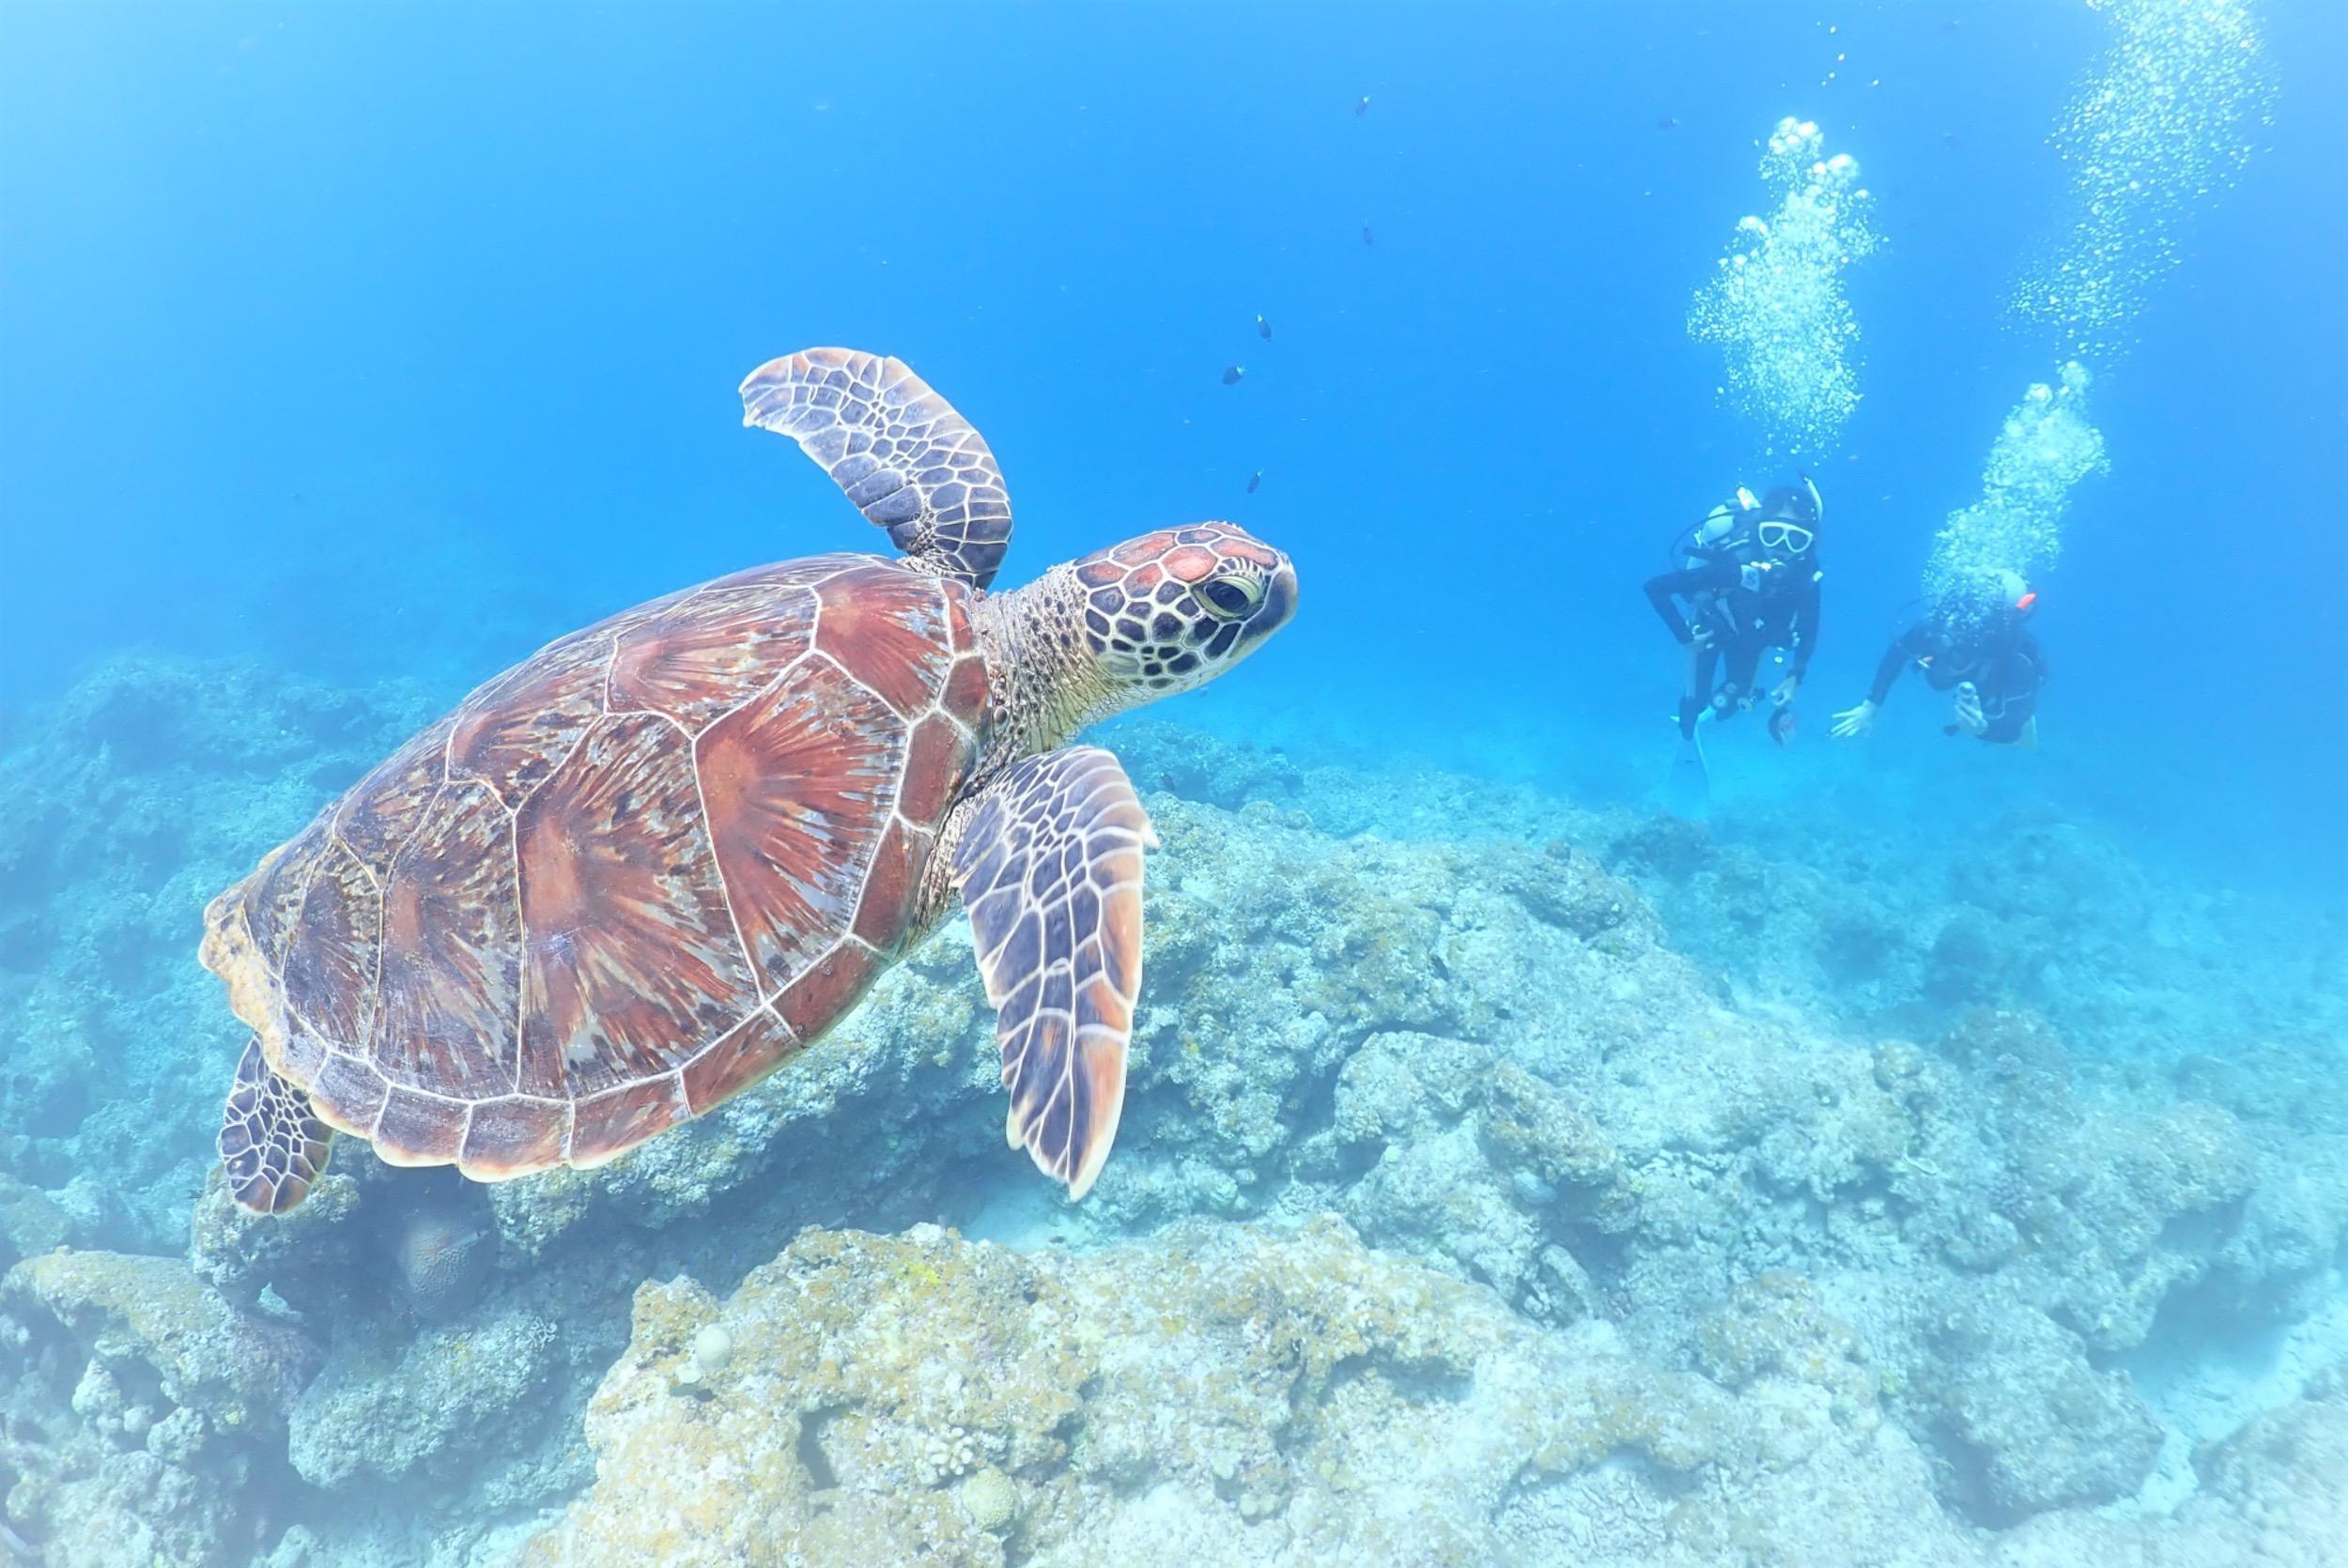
[1503,1181]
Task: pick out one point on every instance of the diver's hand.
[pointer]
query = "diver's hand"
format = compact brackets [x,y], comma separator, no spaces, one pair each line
[1787,690]
[1970,717]
[1700,636]
[1851,723]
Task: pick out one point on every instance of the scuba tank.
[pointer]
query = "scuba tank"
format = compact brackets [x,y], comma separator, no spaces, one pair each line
[1717,533]
[1701,542]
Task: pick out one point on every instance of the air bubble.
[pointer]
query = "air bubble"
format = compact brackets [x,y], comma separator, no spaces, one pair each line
[2155,129]
[1775,304]
[2013,532]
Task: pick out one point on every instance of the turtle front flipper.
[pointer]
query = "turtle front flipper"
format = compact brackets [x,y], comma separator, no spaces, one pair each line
[271,1144]
[1049,867]
[910,463]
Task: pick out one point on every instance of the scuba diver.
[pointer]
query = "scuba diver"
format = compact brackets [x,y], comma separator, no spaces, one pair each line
[1978,646]
[1750,584]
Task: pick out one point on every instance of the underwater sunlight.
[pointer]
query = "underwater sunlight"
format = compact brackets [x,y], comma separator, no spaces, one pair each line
[1403,829]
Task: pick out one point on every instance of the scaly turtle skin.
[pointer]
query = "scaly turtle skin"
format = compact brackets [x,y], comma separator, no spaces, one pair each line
[637,871]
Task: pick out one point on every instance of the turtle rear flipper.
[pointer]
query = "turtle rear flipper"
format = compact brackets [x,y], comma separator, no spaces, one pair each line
[272,1143]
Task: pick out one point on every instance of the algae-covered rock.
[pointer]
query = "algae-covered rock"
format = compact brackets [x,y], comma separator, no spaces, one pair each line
[95,1507]
[1535,1127]
[150,785]
[174,1395]
[1220,1394]
[1565,886]
[2038,1426]
[239,1372]
[310,1252]
[30,1222]
[1395,1085]
[1444,1008]
[426,1407]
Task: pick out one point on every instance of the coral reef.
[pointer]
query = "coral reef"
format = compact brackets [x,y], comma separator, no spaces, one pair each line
[152,1319]
[1219,1395]
[422,1407]
[152,785]
[1686,1202]
[1241,1394]
[175,1405]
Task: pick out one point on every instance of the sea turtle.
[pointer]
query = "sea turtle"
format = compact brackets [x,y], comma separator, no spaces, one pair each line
[638,871]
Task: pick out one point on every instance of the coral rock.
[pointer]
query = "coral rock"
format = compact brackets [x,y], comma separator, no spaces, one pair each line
[1213,1395]
[239,1372]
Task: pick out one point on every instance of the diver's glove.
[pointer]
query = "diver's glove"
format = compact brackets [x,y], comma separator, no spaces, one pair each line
[1853,722]
[1970,718]
[1700,635]
[1786,691]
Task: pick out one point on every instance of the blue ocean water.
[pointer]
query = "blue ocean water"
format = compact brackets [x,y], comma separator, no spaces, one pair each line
[306,302]
[348,354]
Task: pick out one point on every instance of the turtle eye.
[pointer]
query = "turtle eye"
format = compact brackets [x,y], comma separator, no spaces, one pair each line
[1230,598]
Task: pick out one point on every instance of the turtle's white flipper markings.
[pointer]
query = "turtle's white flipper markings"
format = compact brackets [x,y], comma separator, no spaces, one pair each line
[1050,870]
[271,1145]
[909,462]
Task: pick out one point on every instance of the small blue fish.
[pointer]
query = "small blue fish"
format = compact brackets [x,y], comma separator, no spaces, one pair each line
[1264,328]
[1253,480]
[1232,374]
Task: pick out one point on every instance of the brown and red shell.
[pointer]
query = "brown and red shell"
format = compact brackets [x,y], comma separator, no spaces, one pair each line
[623,881]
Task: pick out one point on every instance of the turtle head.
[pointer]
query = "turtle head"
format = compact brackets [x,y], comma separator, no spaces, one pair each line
[1173,609]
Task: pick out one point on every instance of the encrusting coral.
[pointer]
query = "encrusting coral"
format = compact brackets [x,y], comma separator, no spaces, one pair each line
[1688,1207]
[889,1398]
[1254,1395]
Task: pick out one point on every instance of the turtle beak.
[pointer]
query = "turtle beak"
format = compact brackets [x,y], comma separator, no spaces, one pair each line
[1279,604]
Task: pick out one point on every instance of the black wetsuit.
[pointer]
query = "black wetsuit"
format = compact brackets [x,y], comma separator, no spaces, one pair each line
[1781,612]
[2006,670]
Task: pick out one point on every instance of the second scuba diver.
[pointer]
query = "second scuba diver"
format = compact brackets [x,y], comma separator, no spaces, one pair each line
[1750,584]
[1978,646]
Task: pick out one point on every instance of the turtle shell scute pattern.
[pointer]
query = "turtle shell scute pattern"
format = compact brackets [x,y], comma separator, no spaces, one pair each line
[628,877]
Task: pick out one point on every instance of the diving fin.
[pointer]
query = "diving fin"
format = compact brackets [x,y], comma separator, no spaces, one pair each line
[1688,793]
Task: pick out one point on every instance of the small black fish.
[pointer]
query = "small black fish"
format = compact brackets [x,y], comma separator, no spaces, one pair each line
[1253,480]
[1952,140]
[1664,122]
[1362,107]
[1366,238]
[1264,328]
[1232,374]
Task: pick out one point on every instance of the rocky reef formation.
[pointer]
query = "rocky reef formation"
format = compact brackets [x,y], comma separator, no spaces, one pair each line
[1241,1394]
[1478,1186]
[153,784]
[1221,1393]
[176,1409]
